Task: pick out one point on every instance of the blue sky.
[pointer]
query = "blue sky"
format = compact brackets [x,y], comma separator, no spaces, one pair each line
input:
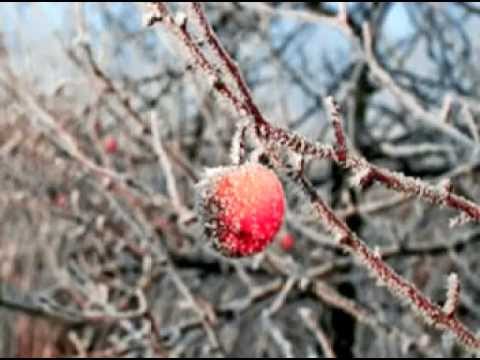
[56,17]
[35,29]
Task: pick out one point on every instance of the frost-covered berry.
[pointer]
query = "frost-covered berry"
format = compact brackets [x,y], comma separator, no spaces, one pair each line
[61,200]
[242,208]
[288,242]
[110,144]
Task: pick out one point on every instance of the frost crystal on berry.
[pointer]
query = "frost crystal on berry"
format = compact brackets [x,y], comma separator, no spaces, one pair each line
[242,208]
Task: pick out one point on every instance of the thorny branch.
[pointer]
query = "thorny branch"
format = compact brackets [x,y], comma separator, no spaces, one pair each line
[101,245]
[366,173]
[271,135]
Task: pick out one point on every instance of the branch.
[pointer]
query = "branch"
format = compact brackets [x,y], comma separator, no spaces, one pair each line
[276,138]
[164,161]
[453,295]
[397,285]
[367,173]
[307,317]
[405,98]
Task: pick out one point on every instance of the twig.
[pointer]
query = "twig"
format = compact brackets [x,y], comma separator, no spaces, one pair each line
[306,315]
[407,99]
[167,169]
[399,286]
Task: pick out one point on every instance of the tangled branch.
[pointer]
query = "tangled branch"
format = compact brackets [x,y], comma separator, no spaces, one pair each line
[227,81]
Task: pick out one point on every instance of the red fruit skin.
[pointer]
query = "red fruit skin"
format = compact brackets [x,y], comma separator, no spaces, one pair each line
[288,242]
[61,200]
[242,208]
[110,145]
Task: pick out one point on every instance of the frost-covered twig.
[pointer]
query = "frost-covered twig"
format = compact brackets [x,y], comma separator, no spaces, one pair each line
[307,317]
[273,137]
[453,295]
[365,172]
[398,286]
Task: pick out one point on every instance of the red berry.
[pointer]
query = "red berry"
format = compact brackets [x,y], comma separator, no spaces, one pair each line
[287,242]
[242,208]
[110,144]
[60,200]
